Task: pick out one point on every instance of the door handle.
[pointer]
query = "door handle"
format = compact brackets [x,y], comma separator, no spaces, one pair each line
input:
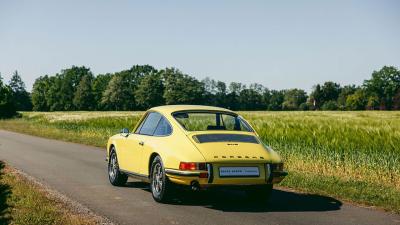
[141,143]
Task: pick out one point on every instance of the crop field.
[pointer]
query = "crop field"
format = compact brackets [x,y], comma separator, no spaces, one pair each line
[351,155]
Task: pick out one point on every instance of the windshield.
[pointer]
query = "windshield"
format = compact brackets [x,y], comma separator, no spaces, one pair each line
[202,121]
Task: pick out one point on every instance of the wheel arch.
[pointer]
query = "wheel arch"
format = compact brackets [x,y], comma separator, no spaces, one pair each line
[151,158]
[110,148]
[112,144]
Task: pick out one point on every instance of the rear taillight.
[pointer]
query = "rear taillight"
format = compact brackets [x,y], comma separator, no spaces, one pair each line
[192,166]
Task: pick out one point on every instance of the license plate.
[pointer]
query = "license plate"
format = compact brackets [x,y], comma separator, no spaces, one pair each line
[239,172]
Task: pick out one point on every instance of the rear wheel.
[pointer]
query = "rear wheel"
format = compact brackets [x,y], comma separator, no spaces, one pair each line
[116,177]
[260,194]
[160,186]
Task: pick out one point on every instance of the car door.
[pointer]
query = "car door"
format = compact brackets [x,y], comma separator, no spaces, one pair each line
[136,143]
[130,153]
[155,142]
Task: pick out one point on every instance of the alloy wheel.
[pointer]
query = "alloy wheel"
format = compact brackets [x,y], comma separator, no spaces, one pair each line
[157,181]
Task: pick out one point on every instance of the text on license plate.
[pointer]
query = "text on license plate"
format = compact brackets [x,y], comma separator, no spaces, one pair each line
[239,172]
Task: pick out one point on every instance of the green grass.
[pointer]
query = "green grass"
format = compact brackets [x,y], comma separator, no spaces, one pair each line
[21,202]
[350,155]
[361,192]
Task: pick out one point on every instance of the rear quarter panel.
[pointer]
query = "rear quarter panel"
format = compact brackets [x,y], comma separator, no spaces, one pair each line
[172,149]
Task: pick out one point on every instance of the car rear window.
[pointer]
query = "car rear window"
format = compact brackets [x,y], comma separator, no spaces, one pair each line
[208,120]
[206,138]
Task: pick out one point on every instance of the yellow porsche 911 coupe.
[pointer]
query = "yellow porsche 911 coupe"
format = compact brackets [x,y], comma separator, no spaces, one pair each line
[200,147]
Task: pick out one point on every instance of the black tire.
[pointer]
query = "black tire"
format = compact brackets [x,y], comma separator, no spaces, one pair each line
[260,194]
[161,188]
[116,177]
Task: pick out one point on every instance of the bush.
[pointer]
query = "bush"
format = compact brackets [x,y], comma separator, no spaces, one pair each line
[330,105]
[356,101]
[303,106]
[7,107]
[7,110]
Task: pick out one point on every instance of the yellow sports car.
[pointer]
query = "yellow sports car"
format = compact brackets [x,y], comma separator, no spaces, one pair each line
[199,147]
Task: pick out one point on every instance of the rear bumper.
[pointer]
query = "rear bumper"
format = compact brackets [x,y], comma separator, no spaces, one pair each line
[211,179]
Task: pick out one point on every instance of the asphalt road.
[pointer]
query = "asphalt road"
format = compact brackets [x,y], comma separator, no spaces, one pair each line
[79,172]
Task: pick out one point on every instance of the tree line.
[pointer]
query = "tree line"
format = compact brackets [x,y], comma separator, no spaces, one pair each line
[143,86]
[13,97]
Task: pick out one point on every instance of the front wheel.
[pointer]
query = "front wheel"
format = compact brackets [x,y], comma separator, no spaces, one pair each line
[160,186]
[114,174]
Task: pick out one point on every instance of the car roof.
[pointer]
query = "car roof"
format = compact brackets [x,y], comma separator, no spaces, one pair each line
[168,109]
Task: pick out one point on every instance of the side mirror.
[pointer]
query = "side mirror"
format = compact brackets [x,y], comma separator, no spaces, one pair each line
[125,132]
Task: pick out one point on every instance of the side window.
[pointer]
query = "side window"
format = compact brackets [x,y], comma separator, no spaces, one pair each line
[229,122]
[163,128]
[149,125]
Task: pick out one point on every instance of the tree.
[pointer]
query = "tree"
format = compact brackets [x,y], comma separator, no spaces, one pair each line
[293,98]
[116,94]
[7,108]
[59,89]
[304,106]
[356,101]
[149,92]
[235,87]
[276,100]
[384,84]
[220,95]
[373,102]
[330,105]
[396,101]
[344,92]
[20,97]
[40,90]
[329,91]
[66,87]
[251,98]
[100,84]
[55,97]
[210,91]
[232,98]
[316,97]
[130,79]
[83,98]
[181,88]
[215,92]
[266,97]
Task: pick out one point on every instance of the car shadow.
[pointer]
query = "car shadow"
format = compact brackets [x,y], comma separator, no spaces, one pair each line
[237,201]
[5,191]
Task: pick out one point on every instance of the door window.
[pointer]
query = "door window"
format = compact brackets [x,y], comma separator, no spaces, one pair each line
[163,128]
[150,124]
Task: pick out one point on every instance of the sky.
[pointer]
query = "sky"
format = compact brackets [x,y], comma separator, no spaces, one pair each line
[279,44]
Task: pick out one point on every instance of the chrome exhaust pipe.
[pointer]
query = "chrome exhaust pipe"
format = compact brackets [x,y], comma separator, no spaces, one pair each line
[195,185]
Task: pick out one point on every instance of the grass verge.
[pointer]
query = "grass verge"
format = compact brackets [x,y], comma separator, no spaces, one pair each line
[23,202]
[41,130]
[363,193]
